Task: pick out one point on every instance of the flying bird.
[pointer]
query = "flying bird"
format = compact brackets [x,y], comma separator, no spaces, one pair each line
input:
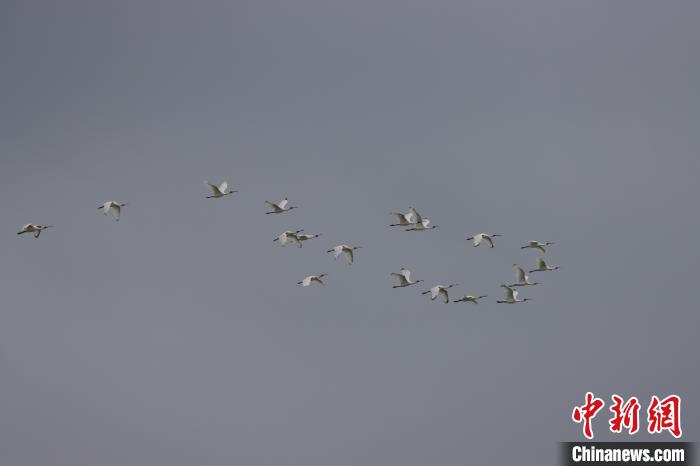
[31,228]
[520,278]
[305,237]
[344,249]
[280,207]
[219,191]
[423,225]
[469,299]
[289,235]
[543,267]
[311,279]
[536,245]
[405,220]
[439,290]
[115,207]
[404,277]
[488,237]
[511,296]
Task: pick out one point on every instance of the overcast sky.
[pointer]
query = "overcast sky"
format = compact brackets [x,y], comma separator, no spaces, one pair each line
[178,336]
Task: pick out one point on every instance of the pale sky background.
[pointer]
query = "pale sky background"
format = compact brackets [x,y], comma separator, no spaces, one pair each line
[179,336]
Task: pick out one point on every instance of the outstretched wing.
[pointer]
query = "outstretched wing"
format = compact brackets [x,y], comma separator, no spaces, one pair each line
[223,187]
[282,204]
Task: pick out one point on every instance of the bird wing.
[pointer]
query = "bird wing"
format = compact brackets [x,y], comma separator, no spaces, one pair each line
[541,248]
[477,239]
[406,274]
[318,279]
[282,238]
[488,240]
[223,187]
[519,275]
[294,239]
[116,210]
[443,293]
[348,254]
[434,291]
[282,204]
[307,281]
[515,295]
[400,218]
[415,216]
[510,293]
[213,188]
[541,264]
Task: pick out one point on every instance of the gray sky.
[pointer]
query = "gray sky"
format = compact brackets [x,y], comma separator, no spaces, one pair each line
[179,336]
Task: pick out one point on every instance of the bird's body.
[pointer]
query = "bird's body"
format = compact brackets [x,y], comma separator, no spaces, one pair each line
[115,207]
[423,225]
[511,296]
[469,299]
[344,249]
[281,207]
[219,191]
[536,245]
[439,290]
[288,236]
[520,278]
[404,277]
[311,279]
[31,228]
[543,267]
[305,237]
[487,237]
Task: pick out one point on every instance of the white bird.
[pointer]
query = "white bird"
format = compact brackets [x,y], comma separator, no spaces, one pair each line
[219,191]
[31,228]
[312,278]
[536,245]
[520,278]
[469,299]
[439,290]
[543,267]
[423,225]
[488,237]
[344,249]
[115,207]
[280,207]
[403,220]
[305,237]
[404,277]
[289,235]
[511,296]
[413,216]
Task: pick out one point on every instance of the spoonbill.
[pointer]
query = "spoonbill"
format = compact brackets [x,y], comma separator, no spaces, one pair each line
[219,191]
[488,237]
[289,235]
[423,225]
[469,299]
[31,228]
[115,207]
[543,267]
[520,278]
[439,290]
[536,245]
[344,249]
[280,207]
[312,278]
[404,277]
[511,296]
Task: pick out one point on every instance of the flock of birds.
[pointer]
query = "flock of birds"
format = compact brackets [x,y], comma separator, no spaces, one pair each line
[411,220]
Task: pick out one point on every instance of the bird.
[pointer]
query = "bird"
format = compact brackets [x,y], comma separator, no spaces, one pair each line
[511,296]
[31,228]
[536,245]
[219,191]
[439,290]
[305,237]
[115,207]
[520,277]
[280,207]
[469,299]
[289,235]
[312,278]
[413,216]
[404,277]
[488,237]
[543,267]
[344,249]
[403,220]
[423,225]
